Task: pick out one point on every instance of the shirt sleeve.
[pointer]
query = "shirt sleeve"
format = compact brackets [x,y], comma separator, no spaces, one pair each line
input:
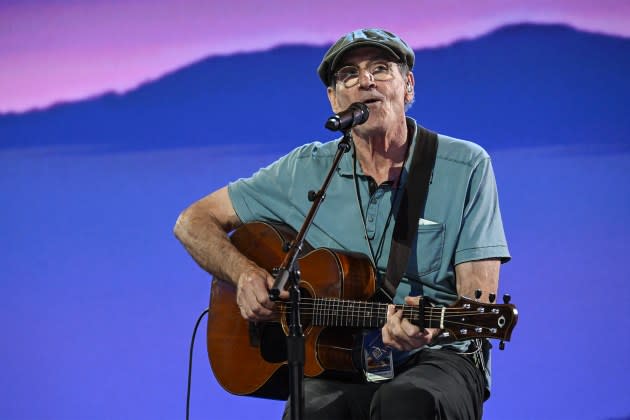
[481,235]
[267,194]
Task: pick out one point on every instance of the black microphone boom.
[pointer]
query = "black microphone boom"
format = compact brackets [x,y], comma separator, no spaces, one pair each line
[356,114]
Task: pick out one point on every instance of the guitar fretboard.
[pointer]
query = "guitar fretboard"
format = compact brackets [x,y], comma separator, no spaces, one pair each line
[328,312]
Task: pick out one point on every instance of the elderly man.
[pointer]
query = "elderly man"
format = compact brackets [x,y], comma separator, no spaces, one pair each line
[459,246]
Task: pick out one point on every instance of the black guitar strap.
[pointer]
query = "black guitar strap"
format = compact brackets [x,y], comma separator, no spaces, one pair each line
[412,205]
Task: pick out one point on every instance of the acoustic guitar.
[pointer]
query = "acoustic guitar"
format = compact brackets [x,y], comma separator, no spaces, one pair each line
[337,305]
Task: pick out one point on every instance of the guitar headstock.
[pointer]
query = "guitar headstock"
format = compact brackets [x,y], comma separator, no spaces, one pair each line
[468,318]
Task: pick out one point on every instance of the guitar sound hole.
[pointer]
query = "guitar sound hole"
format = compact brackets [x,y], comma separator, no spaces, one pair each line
[307,307]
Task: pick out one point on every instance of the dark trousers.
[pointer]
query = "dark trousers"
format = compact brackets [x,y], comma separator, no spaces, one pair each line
[434,384]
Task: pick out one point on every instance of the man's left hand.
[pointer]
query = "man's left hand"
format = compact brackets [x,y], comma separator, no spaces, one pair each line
[401,334]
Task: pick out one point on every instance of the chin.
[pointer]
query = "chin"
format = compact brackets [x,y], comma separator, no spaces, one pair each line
[370,128]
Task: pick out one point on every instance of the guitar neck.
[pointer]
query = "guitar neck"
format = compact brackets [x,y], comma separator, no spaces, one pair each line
[464,319]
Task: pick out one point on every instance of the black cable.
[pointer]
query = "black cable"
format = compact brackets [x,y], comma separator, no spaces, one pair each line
[190,359]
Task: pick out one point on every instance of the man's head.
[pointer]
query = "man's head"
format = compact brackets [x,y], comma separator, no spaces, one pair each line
[371,66]
[378,38]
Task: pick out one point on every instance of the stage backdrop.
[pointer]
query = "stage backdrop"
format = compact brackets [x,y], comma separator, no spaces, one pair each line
[99,299]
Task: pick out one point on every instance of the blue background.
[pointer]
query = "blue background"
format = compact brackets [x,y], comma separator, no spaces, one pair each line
[99,299]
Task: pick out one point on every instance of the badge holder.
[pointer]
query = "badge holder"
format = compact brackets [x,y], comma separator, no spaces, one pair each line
[377,359]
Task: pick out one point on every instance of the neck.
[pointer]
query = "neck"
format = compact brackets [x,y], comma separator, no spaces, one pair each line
[382,154]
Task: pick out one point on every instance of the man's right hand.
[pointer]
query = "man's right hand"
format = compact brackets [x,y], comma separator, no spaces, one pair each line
[252,294]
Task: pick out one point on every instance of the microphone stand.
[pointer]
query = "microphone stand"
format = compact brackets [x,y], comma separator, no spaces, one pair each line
[289,272]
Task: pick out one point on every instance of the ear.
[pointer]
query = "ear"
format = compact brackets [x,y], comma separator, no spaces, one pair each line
[409,88]
[332,98]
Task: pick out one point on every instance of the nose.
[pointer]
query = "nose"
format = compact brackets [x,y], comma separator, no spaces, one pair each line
[366,79]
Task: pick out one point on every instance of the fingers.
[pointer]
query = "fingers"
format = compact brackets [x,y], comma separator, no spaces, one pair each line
[386,331]
[252,295]
[401,334]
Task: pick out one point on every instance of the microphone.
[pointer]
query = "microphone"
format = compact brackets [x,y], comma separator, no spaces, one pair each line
[356,114]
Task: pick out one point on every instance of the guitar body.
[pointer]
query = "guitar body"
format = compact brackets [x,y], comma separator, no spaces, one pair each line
[250,358]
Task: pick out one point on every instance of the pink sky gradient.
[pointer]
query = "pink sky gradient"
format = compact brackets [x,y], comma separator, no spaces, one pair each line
[69,49]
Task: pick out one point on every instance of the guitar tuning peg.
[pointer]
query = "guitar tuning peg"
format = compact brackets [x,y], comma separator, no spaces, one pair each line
[506,298]
[492,297]
[502,345]
[478,294]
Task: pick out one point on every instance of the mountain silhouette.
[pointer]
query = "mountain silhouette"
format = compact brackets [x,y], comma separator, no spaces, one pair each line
[518,86]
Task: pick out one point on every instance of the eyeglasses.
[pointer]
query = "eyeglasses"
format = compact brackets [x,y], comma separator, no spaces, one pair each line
[349,75]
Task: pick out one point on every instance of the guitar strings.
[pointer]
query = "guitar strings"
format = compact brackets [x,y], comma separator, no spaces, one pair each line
[338,312]
[348,306]
[451,323]
[369,309]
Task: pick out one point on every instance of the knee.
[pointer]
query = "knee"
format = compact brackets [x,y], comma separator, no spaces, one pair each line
[323,400]
[403,403]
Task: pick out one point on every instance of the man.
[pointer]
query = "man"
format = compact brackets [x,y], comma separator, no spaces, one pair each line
[459,248]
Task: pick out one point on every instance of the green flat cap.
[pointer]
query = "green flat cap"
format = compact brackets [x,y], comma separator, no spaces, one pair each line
[364,38]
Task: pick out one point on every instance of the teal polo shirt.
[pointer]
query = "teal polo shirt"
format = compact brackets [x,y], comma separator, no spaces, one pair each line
[461,222]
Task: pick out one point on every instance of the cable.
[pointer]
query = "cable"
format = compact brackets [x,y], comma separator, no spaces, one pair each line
[190,360]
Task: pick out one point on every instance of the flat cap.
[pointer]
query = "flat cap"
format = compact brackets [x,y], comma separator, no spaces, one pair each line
[364,38]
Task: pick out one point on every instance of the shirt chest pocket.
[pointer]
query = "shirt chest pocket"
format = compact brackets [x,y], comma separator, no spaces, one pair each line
[426,251]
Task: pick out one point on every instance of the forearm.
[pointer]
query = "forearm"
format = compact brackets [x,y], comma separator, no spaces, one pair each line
[208,244]
[202,229]
[478,275]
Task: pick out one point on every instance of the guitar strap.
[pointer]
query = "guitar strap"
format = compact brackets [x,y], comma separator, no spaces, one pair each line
[412,205]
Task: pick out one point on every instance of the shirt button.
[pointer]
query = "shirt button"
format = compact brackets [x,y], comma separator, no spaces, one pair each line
[370,219]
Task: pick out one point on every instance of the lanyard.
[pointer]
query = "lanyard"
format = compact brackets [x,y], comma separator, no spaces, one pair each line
[397,187]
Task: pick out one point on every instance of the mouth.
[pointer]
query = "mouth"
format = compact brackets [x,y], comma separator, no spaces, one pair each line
[371,101]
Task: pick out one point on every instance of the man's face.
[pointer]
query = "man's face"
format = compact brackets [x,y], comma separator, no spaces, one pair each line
[385,98]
